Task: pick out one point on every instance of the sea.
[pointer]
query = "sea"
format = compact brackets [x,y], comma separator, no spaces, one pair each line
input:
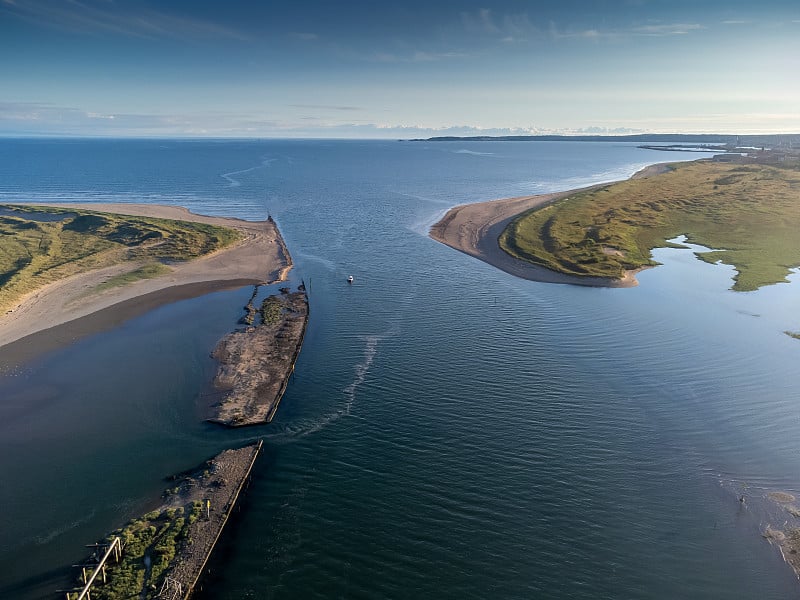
[450,431]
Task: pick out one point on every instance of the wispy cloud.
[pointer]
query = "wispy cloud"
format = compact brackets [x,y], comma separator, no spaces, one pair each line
[520,27]
[480,22]
[417,56]
[666,29]
[305,36]
[327,107]
[93,17]
[587,34]
[508,27]
[21,118]
[47,119]
[514,28]
[739,123]
[37,111]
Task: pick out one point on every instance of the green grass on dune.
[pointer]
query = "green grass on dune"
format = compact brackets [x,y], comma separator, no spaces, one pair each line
[34,253]
[751,212]
[147,271]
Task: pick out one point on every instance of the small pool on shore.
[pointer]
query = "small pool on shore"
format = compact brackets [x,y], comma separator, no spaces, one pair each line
[38,216]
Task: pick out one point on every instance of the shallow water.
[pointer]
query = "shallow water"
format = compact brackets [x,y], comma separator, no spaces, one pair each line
[450,431]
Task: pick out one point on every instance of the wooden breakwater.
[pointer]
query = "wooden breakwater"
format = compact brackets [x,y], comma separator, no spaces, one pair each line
[164,553]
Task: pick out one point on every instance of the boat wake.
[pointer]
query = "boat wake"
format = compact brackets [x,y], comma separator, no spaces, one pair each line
[350,392]
[304,256]
[472,152]
[361,370]
[48,537]
[233,182]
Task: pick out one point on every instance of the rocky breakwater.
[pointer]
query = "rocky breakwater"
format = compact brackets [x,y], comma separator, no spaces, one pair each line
[164,553]
[257,361]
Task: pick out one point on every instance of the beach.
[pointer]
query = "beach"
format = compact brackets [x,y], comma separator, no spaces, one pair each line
[474,229]
[68,308]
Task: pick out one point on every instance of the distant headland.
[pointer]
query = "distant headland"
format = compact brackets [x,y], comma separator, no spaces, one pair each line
[751,140]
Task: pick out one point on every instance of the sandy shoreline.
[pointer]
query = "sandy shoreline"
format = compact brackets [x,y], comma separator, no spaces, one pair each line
[474,229]
[66,311]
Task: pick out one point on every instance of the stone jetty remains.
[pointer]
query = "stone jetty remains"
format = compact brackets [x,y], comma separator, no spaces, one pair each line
[164,553]
[256,362]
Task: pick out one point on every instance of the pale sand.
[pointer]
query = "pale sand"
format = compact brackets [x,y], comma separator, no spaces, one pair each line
[261,257]
[474,229]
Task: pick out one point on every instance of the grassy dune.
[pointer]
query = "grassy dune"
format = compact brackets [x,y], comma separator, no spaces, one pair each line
[34,252]
[750,211]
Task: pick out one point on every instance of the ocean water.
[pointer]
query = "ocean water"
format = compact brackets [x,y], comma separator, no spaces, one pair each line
[450,431]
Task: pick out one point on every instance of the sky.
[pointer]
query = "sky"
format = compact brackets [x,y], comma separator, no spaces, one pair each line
[353,69]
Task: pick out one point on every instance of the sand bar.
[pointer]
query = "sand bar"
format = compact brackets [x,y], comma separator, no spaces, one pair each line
[260,257]
[474,229]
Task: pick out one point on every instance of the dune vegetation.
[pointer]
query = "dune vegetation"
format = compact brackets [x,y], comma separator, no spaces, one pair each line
[39,245]
[748,212]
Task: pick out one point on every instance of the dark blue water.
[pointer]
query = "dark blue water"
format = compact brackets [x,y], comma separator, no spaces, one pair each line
[451,431]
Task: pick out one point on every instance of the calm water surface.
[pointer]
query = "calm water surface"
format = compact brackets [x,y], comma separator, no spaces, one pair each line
[451,431]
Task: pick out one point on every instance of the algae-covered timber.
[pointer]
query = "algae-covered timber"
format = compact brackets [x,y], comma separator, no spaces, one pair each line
[40,245]
[749,213]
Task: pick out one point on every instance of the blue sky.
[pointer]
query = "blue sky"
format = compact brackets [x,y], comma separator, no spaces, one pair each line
[406,69]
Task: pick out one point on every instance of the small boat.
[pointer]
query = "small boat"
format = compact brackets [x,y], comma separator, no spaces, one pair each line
[350,279]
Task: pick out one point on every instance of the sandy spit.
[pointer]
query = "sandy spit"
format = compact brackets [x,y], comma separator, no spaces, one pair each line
[474,229]
[70,305]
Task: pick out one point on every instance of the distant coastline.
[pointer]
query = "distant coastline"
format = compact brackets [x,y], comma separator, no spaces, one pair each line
[769,140]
